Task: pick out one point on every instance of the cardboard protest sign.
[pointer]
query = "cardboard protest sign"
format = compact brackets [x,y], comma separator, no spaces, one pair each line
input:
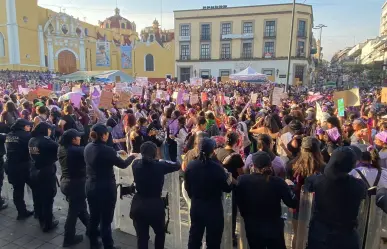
[31,96]
[106,100]
[277,95]
[23,91]
[204,96]
[350,97]
[194,99]
[340,107]
[384,95]
[142,81]
[159,94]
[174,95]
[123,100]
[179,99]
[137,90]
[43,92]
[319,112]
[254,97]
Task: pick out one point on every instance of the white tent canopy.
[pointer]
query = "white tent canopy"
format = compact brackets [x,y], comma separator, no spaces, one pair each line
[249,74]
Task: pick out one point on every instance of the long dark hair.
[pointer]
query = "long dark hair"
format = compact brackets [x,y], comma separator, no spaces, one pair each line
[263,143]
[41,130]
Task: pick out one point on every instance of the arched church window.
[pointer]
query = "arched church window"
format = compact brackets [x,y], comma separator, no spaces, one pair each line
[2,45]
[123,25]
[149,63]
[50,28]
[151,38]
[78,31]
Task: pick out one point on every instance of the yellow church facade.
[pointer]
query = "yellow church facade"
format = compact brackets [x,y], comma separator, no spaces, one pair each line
[35,38]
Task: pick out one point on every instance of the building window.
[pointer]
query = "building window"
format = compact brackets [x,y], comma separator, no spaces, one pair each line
[185,52]
[226,28]
[2,45]
[123,26]
[225,52]
[107,26]
[269,49]
[151,38]
[205,51]
[301,48]
[268,72]
[270,29]
[247,28]
[224,73]
[185,74]
[299,74]
[301,28]
[184,30]
[149,63]
[205,74]
[247,50]
[205,32]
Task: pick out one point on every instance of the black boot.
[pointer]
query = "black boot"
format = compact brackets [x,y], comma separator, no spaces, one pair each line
[72,242]
[3,204]
[50,227]
[24,215]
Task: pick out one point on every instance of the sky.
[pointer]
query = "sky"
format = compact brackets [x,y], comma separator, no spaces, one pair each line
[349,21]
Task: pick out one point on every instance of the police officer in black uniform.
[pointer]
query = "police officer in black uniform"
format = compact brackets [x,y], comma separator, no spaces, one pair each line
[148,208]
[73,182]
[3,203]
[205,181]
[43,151]
[17,165]
[101,190]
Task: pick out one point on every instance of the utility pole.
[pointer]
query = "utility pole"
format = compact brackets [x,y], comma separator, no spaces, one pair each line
[290,46]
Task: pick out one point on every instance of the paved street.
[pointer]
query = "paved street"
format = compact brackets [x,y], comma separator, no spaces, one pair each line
[27,234]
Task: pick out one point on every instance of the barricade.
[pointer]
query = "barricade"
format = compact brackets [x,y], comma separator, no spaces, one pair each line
[304,216]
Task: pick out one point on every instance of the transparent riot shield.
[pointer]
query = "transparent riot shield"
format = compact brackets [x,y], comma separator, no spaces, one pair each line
[7,192]
[374,226]
[242,240]
[288,226]
[304,215]
[60,201]
[362,219]
[227,213]
[170,195]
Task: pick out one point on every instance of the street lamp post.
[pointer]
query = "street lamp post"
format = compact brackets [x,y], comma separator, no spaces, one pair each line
[320,27]
[290,46]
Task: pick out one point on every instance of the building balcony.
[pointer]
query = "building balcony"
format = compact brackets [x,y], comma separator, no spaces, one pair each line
[268,35]
[184,38]
[205,37]
[225,57]
[268,55]
[247,55]
[205,57]
[185,57]
[237,36]
[300,55]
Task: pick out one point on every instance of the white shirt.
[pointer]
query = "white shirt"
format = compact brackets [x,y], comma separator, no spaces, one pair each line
[370,174]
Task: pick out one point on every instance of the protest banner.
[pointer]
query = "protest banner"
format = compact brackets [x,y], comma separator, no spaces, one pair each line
[196,81]
[179,99]
[137,90]
[350,97]
[142,81]
[106,100]
[174,95]
[23,90]
[194,99]
[384,95]
[43,92]
[76,100]
[185,97]
[120,87]
[123,100]
[319,112]
[340,107]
